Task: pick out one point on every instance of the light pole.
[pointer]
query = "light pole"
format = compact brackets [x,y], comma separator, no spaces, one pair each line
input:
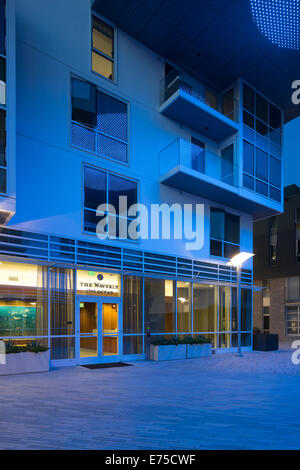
[237,261]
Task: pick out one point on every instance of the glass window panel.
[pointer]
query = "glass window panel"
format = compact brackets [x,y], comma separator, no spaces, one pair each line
[84,102]
[245,339]
[2,81]
[248,98]
[224,308]
[112,116]
[121,187]
[184,307]
[246,309]
[217,223]
[23,300]
[132,344]
[62,348]
[111,148]
[275,194]
[261,165]
[248,182]
[227,157]
[216,248]
[275,117]
[160,305]
[94,188]
[2,27]
[275,172]
[274,137]
[62,311]
[2,138]
[103,37]
[198,155]
[132,305]
[211,98]
[248,119]
[262,108]
[248,158]
[261,128]
[230,250]
[261,188]
[224,340]
[205,308]
[228,104]
[293,288]
[102,66]
[232,228]
[234,309]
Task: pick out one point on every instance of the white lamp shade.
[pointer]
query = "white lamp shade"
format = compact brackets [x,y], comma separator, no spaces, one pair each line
[240,258]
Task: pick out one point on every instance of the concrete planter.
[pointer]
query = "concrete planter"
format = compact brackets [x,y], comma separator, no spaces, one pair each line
[199,350]
[25,363]
[167,352]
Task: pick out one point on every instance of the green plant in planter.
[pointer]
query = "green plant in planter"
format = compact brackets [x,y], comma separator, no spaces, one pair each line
[32,346]
[175,340]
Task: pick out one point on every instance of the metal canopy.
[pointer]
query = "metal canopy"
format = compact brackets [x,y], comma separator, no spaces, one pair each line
[217,41]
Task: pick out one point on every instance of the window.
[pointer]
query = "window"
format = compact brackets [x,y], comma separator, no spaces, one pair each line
[224,233]
[104,188]
[227,165]
[211,98]
[248,155]
[198,155]
[184,307]
[293,288]
[99,122]
[266,319]
[205,308]
[160,311]
[293,320]
[228,104]
[103,49]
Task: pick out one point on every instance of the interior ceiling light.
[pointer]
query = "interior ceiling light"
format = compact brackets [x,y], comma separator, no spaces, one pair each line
[279,21]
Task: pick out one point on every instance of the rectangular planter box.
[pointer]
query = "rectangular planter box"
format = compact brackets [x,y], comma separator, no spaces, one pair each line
[167,353]
[265,342]
[199,350]
[25,363]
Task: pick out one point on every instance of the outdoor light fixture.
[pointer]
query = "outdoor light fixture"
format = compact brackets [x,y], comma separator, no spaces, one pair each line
[278,20]
[237,261]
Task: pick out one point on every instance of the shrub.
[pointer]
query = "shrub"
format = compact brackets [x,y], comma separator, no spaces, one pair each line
[175,340]
[32,346]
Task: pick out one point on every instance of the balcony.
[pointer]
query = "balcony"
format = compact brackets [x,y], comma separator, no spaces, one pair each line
[188,167]
[198,108]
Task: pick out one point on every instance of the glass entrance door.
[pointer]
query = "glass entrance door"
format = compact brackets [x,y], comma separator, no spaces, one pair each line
[97,330]
[110,329]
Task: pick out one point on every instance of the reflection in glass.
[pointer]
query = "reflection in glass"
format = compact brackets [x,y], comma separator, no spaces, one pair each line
[184,307]
[224,308]
[160,305]
[205,307]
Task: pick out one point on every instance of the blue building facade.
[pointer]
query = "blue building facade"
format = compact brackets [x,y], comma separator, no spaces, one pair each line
[88,114]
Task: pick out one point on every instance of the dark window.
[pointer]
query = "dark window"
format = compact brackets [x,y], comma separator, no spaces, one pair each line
[261,165]
[198,155]
[227,166]
[94,188]
[274,136]
[261,128]
[248,155]
[261,188]
[100,122]
[228,104]
[84,105]
[2,138]
[275,194]
[275,117]
[261,108]
[248,182]
[248,119]
[248,98]
[104,188]
[275,172]
[121,187]
[2,27]
[224,233]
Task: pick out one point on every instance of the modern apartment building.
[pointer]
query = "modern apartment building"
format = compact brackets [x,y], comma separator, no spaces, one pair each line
[95,105]
[277,270]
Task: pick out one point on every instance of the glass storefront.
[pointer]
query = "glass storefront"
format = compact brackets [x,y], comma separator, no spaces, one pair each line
[89,315]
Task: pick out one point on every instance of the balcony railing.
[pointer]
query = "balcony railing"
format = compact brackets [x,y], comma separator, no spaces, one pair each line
[186,155]
[225,103]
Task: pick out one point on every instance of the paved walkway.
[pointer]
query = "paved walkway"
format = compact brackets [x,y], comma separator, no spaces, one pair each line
[222,402]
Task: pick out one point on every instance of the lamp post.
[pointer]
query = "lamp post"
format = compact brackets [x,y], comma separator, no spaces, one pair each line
[237,261]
